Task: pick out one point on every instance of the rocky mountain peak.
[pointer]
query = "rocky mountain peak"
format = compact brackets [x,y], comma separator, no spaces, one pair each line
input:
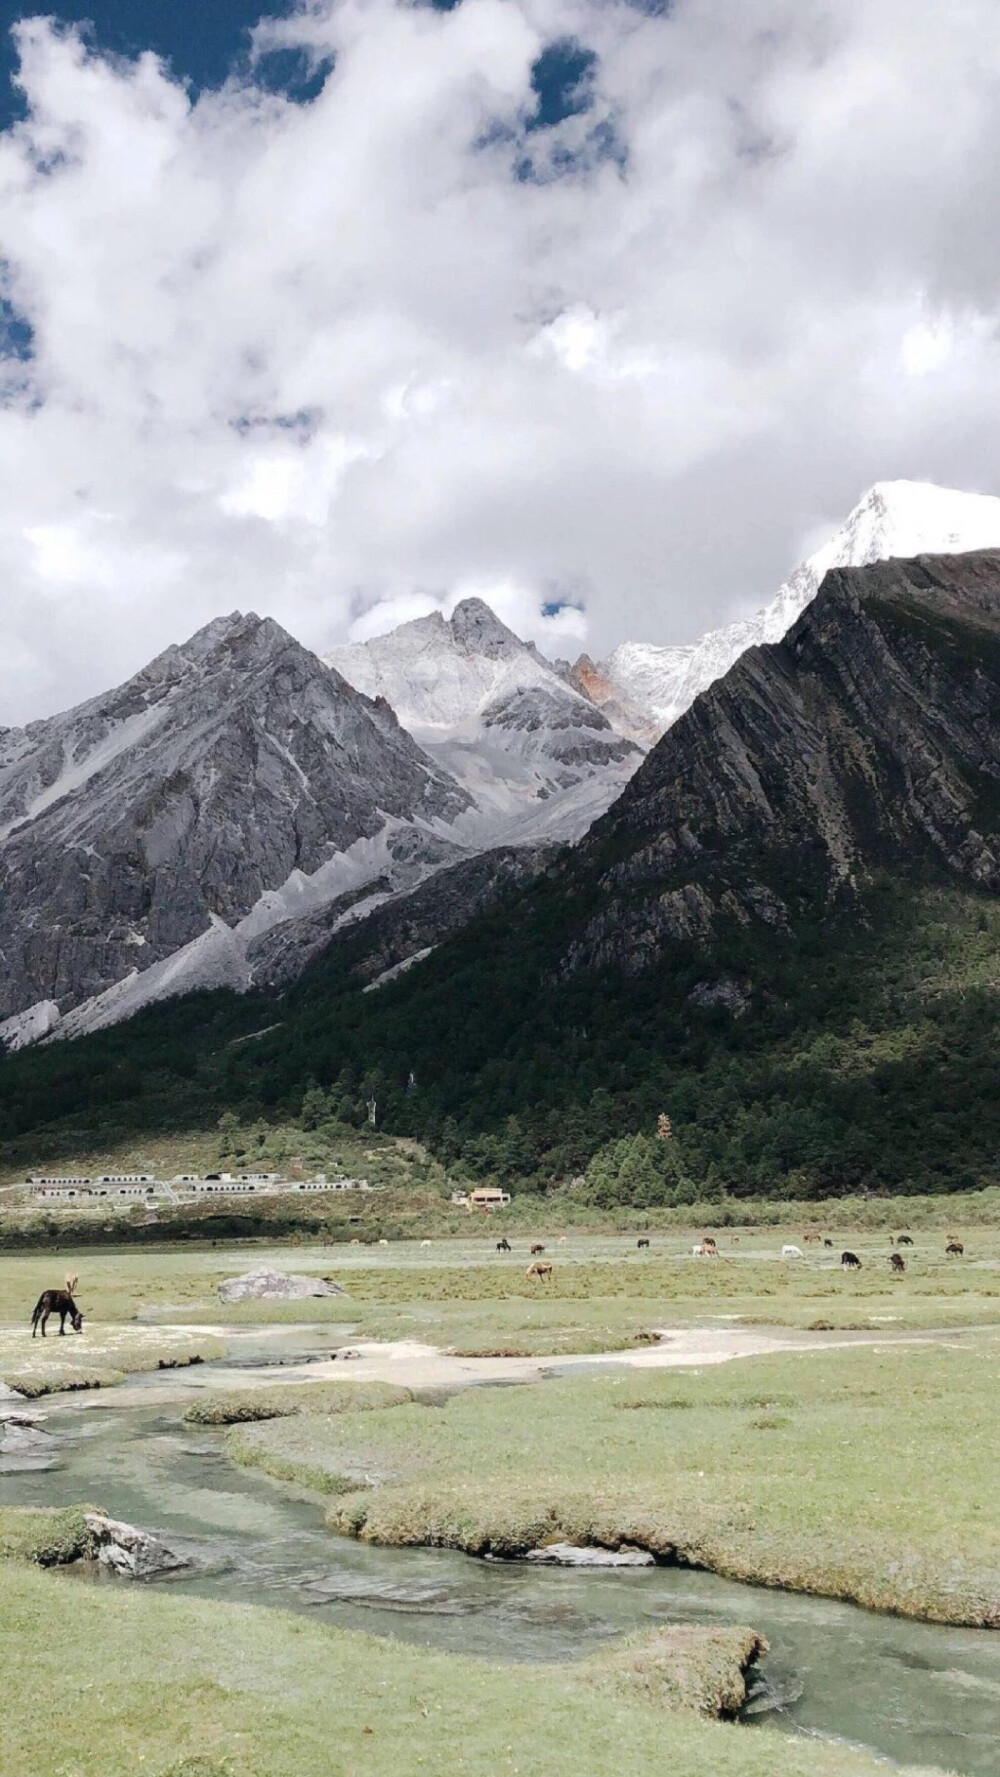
[623,713]
[230,765]
[478,630]
[539,758]
[868,739]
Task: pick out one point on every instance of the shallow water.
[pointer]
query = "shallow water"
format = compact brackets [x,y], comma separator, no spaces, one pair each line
[912,1691]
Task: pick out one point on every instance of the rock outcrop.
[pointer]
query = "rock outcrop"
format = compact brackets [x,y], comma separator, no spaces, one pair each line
[132,1553]
[130,826]
[265,1285]
[867,740]
[575,1555]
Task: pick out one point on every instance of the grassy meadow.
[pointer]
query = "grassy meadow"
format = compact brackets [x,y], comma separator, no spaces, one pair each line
[465,1280]
[104,1681]
[866,1473]
[463,1296]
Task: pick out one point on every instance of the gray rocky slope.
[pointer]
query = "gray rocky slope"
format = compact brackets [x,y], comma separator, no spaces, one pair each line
[404,927]
[868,739]
[130,825]
[153,839]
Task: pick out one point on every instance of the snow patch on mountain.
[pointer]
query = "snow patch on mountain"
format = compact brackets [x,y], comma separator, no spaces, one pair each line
[894,518]
[29,1027]
[216,958]
[400,968]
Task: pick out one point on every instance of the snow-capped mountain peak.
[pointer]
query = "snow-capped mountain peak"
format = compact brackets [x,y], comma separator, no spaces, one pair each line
[894,518]
[537,755]
[440,675]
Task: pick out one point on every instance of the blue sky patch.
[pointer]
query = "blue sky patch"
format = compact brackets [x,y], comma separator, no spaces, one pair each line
[562,81]
[16,334]
[202,40]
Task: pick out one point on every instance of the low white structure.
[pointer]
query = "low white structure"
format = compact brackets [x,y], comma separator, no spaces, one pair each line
[183,1186]
[39,1179]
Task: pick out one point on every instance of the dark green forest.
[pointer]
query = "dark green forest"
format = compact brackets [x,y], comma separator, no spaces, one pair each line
[862,1054]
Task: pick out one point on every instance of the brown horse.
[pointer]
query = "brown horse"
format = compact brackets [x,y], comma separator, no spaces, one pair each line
[537,1248]
[56,1302]
[541,1268]
[897,1261]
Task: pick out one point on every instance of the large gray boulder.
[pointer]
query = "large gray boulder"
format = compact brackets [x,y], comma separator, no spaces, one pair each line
[263,1285]
[130,1552]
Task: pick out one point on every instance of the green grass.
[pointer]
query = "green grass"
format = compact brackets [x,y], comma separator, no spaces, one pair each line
[463,1296]
[48,1536]
[866,1474]
[283,1400]
[115,1681]
[98,1357]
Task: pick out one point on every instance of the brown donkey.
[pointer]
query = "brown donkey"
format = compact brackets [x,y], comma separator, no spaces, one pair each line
[56,1302]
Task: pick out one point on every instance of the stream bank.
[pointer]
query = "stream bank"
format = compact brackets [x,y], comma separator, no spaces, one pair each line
[915,1692]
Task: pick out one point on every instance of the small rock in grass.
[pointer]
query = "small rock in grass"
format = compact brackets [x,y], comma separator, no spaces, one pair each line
[570,1555]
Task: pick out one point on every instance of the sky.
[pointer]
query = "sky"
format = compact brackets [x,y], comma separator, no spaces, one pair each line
[604,311]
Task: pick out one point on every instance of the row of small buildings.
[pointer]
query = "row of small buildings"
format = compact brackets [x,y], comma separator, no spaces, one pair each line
[183,1185]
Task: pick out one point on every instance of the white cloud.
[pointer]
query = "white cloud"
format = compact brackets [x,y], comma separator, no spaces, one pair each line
[345,363]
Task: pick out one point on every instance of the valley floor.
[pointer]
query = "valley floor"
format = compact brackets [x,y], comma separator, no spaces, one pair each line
[854,1459]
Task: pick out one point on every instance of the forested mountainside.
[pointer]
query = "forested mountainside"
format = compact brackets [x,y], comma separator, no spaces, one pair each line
[783,938]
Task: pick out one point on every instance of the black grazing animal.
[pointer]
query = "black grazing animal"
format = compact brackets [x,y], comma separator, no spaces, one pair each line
[850,1261]
[897,1261]
[904,1240]
[954,1249]
[642,1243]
[828,1243]
[56,1302]
[503,1246]
[537,1248]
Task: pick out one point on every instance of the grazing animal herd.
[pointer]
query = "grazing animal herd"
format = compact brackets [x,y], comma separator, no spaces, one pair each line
[708,1248]
[63,1303]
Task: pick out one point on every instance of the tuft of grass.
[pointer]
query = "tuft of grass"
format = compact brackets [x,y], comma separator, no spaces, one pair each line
[683,1666]
[283,1400]
[49,1536]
